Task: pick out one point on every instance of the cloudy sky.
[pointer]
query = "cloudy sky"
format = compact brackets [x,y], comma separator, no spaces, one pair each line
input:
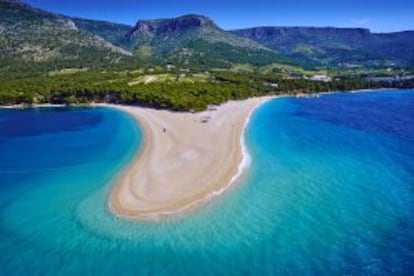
[378,15]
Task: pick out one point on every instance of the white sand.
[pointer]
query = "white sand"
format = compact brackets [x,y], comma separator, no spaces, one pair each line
[186,165]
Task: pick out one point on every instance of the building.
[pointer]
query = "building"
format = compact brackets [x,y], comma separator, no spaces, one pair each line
[322,78]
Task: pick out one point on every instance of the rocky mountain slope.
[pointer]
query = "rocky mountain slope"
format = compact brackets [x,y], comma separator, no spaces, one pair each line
[29,34]
[193,38]
[111,32]
[336,46]
[175,32]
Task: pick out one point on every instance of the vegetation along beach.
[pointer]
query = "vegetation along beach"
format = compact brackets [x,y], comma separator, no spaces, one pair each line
[206,138]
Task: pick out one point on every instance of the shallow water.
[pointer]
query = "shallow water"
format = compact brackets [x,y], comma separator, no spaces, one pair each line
[329,192]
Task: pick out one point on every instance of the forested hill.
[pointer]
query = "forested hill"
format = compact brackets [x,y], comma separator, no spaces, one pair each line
[30,37]
[111,32]
[28,34]
[185,63]
[339,47]
[194,39]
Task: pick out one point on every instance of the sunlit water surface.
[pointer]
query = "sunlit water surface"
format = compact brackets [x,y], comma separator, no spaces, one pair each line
[330,192]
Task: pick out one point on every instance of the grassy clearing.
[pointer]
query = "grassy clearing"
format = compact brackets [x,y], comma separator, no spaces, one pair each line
[289,70]
[183,78]
[67,71]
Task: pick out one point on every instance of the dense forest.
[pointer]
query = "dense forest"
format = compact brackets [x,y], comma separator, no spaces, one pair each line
[183,63]
[167,89]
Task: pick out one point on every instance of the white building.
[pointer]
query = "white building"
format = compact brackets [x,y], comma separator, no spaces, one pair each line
[323,78]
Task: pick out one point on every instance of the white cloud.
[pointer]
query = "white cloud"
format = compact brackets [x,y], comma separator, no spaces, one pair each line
[361,22]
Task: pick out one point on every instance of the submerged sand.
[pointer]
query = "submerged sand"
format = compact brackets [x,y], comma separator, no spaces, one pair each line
[186,159]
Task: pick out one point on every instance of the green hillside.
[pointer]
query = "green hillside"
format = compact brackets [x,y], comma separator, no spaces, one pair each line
[32,35]
[336,47]
[194,39]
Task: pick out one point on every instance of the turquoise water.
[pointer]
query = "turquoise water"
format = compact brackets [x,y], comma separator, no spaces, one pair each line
[329,192]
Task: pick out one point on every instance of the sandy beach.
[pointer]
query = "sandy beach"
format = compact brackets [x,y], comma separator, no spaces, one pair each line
[186,159]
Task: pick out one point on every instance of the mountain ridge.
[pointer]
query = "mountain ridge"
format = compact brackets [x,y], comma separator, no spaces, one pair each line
[189,22]
[192,39]
[32,34]
[334,45]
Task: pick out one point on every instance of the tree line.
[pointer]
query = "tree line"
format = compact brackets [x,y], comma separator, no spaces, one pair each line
[114,87]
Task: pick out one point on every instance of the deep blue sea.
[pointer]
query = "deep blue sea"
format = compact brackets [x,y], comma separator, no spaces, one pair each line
[330,191]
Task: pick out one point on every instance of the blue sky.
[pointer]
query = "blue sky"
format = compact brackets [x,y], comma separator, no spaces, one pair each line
[378,15]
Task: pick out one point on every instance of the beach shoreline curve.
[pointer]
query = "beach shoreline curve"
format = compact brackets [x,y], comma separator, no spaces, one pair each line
[173,172]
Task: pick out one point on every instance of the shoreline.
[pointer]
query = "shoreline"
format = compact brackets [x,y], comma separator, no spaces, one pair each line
[24,106]
[98,104]
[237,168]
[131,200]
